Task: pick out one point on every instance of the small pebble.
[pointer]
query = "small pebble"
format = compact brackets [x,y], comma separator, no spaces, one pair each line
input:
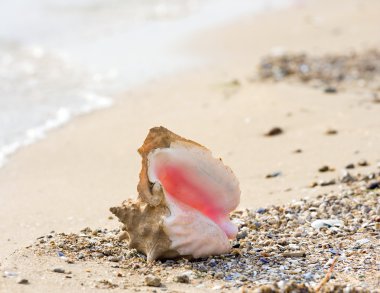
[70,261]
[261,210]
[330,90]
[350,166]
[373,185]
[23,281]
[274,131]
[363,163]
[264,260]
[10,274]
[375,98]
[202,268]
[242,235]
[347,177]
[317,224]
[325,168]
[331,132]
[59,270]
[327,182]
[308,276]
[361,242]
[274,174]
[293,246]
[313,184]
[294,254]
[152,281]
[183,278]
[114,258]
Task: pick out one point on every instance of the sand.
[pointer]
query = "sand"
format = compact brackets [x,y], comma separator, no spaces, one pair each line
[294,245]
[69,180]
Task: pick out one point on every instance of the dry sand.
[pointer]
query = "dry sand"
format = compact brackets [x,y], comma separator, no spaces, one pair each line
[69,180]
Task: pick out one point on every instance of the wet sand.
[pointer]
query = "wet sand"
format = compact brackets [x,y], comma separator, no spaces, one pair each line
[69,180]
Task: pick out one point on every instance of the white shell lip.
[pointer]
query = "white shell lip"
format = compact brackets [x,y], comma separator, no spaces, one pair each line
[192,233]
[211,173]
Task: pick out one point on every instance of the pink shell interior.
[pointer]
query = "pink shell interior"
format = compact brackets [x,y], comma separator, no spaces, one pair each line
[199,184]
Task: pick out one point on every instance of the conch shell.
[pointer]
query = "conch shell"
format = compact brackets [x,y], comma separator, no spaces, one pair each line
[185,197]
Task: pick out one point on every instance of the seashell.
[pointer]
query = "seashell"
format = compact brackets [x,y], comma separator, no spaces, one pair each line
[184,200]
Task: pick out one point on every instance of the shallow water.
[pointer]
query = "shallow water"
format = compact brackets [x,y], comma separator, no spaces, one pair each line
[62,58]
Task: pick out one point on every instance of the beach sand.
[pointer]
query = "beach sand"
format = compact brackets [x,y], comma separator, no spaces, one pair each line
[69,180]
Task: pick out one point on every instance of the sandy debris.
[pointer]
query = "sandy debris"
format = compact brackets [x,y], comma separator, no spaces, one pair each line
[332,71]
[277,248]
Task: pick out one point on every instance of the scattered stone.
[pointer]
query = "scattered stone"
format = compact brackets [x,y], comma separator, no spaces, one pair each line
[363,163]
[106,284]
[361,242]
[202,268]
[318,224]
[308,276]
[293,246]
[373,185]
[298,151]
[313,184]
[59,270]
[274,131]
[347,177]
[325,168]
[182,278]
[272,175]
[294,254]
[375,98]
[23,281]
[242,234]
[261,210]
[10,274]
[70,261]
[331,132]
[114,258]
[233,83]
[329,72]
[350,166]
[152,281]
[330,90]
[327,182]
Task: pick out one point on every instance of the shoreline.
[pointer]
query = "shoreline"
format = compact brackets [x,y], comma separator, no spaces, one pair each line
[101,65]
[68,181]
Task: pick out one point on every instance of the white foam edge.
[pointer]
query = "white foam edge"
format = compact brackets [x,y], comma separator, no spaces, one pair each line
[62,116]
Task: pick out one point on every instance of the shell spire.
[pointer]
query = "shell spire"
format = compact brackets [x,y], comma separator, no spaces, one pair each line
[184,200]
